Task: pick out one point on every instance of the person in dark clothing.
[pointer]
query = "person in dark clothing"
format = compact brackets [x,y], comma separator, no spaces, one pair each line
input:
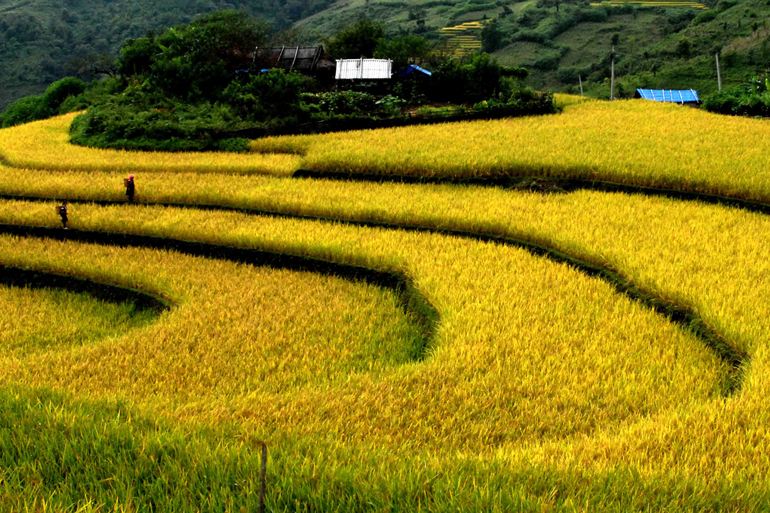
[130,187]
[62,210]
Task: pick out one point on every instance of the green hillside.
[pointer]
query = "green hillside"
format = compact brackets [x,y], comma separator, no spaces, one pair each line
[44,40]
[667,44]
[659,44]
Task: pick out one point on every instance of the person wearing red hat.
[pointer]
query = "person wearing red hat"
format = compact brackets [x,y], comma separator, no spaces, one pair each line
[130,187]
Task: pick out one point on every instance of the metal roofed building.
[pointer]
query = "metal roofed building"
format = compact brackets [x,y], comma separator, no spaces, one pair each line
[292,58]
[364,69]
[682,96]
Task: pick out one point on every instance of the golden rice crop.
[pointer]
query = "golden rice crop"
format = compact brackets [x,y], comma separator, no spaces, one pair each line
[562,100]
[607,229]
[41,320]
[636,142]
[515,329]
[45,145]
[688,253]
[235,328]
[611,230]
[534,366]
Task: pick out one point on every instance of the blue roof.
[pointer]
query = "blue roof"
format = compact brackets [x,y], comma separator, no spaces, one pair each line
[415,67]
[669,95]
[411,68]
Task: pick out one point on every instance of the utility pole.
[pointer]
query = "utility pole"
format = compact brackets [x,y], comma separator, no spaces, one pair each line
[612,79]
[719,76]
[580,79]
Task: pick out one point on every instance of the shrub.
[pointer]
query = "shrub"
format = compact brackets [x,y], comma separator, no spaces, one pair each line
[547,63]
[723,5]
[570,75]
[345,103]
[32,108]
[60,91]
[23,110]
[478,79]
[749,99]
[265,95]
[390,105]
[704,17]
[121,123]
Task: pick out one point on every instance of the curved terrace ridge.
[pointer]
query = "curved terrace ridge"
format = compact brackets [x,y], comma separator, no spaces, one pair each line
[109,292]
[426,316]
[411,299]
[534,183]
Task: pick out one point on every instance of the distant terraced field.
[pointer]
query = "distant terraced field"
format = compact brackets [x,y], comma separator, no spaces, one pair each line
[439,318]
[463,39]
[654,3]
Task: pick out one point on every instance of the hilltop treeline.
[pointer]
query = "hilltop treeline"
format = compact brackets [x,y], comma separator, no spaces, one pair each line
[42,41]
[192,87]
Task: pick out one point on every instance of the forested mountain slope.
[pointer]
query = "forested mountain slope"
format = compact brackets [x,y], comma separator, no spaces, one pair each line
[44,40]
[669,44]
[657,44]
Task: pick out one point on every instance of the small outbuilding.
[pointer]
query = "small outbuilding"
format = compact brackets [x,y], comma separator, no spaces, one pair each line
[681,96]
[364,69]
[305,59]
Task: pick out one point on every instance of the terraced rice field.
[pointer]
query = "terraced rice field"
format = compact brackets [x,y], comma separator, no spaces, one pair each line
[654,3]
[463,39]
[398,346]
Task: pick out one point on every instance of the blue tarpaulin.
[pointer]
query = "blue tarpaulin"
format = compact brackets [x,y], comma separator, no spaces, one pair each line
[411,68]
[669,95]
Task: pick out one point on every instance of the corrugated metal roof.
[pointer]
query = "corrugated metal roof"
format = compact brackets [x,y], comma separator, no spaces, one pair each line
[363,69]
[304,58]
[669,95]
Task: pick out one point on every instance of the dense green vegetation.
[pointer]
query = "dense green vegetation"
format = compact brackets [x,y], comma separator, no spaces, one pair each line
[42,41]
[561,42]
[749,99]
[65,95]
[192,87]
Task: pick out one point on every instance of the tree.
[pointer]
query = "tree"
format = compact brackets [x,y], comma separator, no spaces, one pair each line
[549,3]
[360,40]
[403,50]
[478,78]
[137,56]
[94,65]
[683,48]
[197,60]
[491,37]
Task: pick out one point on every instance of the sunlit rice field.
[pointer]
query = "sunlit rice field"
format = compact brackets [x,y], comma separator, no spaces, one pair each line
[634,142]
[45,145]
[540,388]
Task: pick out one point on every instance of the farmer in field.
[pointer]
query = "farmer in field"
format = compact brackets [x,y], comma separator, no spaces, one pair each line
[62,211]
[130,187]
